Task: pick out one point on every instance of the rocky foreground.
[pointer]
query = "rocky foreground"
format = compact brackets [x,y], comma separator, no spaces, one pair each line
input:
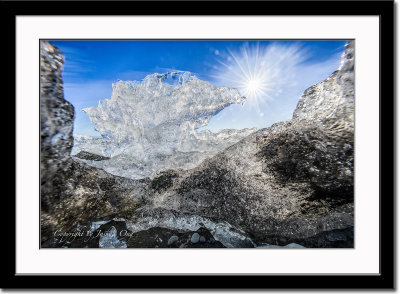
[291,183]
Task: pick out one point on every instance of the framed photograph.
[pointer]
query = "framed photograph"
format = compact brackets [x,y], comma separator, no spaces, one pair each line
[236,142]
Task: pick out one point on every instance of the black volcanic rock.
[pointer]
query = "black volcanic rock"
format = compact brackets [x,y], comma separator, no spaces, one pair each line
[304,153]
[90,156]
[158,238]
[56,120]
[155,237]
[343,238]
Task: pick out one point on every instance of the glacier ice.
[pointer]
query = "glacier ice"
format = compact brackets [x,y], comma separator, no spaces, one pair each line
[109,239]
[160,109]
[188,154]
[95,225]
[152,125]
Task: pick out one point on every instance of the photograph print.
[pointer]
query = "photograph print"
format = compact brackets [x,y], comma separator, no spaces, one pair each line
[197,144]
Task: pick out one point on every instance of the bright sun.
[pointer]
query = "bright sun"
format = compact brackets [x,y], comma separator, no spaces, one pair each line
[258,72]
[253,86]
[249,72]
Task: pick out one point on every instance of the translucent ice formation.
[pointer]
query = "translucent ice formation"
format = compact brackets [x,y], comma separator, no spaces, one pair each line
[109,239]
[153,125]
[161,109]
[187,154]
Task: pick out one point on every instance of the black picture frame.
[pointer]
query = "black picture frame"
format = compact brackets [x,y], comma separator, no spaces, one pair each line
[384,9]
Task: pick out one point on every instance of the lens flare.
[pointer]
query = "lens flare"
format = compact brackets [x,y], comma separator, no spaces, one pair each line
[259,72]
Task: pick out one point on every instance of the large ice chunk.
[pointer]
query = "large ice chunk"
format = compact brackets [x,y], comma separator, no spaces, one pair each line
[152,125]
[127,161]
[161,109]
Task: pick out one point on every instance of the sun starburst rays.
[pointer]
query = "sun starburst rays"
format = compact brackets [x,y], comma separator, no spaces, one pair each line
[258,72]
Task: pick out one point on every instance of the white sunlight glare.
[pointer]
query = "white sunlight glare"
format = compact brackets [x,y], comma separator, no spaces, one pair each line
[259,72]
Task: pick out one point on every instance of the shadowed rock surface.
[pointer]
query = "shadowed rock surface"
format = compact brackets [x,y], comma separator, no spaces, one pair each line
[90,156]
[158,238]
[56,121]
[118,232]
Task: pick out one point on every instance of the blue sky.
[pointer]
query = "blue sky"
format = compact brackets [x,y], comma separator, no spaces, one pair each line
[290,67]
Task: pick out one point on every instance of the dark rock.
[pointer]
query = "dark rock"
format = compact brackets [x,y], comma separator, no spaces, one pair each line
[163,181]
[308,154]
[172,240]
[343,238]
[160,237]
[90,156]
[195,238]
[56,120]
